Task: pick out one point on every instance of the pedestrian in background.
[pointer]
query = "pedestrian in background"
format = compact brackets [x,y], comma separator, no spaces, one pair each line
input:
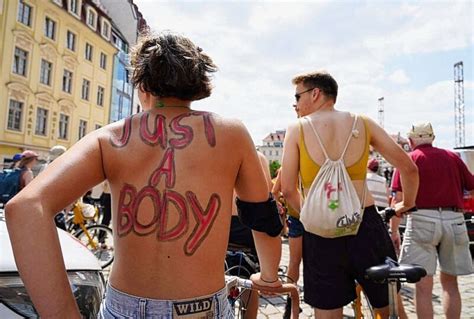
[437,231]
[28,160]
[15,160]
[377,185]
[329,279]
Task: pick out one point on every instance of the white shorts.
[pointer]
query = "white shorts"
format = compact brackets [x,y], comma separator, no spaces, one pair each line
[431,233]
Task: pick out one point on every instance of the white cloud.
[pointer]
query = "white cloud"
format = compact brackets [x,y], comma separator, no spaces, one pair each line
[427,27]
[260,46]
[399,77]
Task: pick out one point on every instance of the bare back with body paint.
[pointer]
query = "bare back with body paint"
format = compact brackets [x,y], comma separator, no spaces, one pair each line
[172,171]
[172,174]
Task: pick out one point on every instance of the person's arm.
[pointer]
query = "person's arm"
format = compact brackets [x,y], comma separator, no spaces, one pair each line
[290,164]
[394,225]
[34,238]
[26,177]
[467,177]
[276,189]
[266,170]
[396,156]
[252,187]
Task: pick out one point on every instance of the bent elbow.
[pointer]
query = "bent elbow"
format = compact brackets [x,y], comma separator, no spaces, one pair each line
[413,169]
[10,208]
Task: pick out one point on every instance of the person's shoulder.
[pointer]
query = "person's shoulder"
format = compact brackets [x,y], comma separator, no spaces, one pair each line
[296,124]
[227,126]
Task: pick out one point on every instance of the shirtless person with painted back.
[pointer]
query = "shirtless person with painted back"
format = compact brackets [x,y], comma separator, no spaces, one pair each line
[171,180]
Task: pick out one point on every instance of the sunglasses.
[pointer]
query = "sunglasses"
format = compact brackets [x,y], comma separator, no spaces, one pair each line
[298,95]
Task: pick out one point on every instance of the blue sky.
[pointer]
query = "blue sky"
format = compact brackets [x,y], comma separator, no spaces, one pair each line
[403,51]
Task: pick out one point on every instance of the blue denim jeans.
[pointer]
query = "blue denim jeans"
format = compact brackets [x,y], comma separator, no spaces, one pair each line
[118,304]
[295,227]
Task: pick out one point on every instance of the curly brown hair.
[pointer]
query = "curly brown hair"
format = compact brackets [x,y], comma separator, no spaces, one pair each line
[170,65]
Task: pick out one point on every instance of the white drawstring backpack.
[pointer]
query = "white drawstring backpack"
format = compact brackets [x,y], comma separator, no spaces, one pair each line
[332,207]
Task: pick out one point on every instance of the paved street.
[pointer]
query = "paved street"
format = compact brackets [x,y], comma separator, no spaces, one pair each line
[274,307]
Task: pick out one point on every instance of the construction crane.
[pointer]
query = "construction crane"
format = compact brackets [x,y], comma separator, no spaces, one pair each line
[459,105]
[380,112]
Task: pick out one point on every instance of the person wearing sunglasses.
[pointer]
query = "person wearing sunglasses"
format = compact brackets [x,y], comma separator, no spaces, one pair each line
[332,265]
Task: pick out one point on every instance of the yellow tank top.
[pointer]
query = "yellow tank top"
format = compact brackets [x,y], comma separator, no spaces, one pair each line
[309,169]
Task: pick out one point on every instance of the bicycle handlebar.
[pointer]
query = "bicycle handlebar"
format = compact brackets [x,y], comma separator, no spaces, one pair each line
[389,212]
[291,289]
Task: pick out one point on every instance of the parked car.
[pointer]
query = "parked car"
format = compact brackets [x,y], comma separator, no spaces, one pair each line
[83,269]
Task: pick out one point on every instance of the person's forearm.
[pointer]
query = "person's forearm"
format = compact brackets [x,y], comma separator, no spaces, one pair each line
[410,181]
[39,260]
[394,223]
[269,254]
[293,198]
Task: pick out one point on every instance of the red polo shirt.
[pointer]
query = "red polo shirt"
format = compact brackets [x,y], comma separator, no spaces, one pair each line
[443,177]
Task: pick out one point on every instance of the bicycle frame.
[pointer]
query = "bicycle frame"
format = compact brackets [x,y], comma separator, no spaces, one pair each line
[392,299]
[233,282]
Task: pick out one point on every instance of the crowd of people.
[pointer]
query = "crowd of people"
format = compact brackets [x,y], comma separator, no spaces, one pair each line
[24,166]
[177,193]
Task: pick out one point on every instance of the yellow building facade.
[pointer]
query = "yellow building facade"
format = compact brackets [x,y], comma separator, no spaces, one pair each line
[55,73]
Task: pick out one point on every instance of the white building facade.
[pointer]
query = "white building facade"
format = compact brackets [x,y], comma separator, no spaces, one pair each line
[272,146]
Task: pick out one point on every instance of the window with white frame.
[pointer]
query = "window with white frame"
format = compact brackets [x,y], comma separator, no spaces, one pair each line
[63,126]
[105,29]
[91,18]
[41,121]
[88,52]
[71,41]
[20,61]
[45,72]
[103,60]
[85,89]
[67,81]
[100,96]
[58,2]
[15,114]
[74,6]
[50,28]
[24,13]
[82,128]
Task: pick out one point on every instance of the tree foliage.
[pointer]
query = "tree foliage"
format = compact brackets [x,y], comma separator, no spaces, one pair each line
[274,166]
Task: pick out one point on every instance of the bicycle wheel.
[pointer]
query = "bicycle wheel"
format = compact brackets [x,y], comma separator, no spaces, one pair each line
[361,306]
[99,239]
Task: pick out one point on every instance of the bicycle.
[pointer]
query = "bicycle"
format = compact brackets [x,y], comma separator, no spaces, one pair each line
[97,238]
[394,273]
[234,284]
[361,306]
[242,262]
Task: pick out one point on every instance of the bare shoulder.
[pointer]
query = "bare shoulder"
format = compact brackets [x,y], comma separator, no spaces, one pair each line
[262,158]
[234,128]
[293,129]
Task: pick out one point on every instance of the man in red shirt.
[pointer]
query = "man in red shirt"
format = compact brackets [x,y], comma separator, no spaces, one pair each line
[438,227]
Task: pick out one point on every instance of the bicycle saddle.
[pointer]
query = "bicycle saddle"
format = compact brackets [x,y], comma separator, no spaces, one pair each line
[393,270]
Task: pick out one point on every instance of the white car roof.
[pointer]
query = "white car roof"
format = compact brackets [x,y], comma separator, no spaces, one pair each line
[76,256]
